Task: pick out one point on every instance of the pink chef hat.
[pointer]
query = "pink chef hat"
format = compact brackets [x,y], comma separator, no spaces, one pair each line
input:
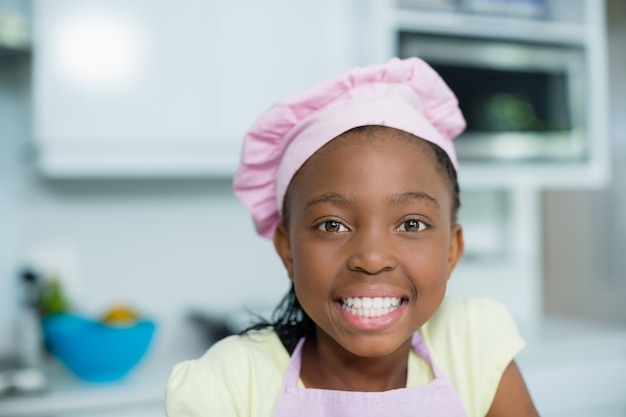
[404,94]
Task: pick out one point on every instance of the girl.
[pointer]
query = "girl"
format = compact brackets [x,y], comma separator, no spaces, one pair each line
[355,181]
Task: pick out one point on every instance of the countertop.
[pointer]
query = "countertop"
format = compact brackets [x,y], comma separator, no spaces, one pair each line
[66,394]
[572,369]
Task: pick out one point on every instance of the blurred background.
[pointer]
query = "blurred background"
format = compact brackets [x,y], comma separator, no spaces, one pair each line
[120,130]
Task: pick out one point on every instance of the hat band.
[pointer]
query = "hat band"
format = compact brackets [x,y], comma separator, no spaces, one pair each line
[390,105]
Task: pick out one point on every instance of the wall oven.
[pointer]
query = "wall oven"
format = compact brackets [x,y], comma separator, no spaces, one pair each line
[523,101]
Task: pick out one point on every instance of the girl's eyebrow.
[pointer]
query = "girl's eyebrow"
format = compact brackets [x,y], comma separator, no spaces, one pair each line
[335,198]
[402,198]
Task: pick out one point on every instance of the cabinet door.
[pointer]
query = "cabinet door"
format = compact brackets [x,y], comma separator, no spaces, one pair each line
[136,87]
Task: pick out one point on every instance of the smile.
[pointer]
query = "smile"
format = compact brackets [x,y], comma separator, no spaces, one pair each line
[371,307]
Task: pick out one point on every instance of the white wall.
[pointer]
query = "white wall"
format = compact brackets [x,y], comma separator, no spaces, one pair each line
[162,246]
[585,232]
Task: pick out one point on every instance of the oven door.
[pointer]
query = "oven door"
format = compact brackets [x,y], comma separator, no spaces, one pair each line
[522,102]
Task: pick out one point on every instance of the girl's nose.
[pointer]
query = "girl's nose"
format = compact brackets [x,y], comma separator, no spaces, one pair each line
[371,253]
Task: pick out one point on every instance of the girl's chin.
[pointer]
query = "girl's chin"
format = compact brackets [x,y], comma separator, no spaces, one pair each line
[372,348]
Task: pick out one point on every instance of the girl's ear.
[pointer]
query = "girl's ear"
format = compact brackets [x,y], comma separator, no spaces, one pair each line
[283,248]
[456,247]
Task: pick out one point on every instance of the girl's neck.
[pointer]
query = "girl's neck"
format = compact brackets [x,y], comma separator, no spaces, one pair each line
[326,365]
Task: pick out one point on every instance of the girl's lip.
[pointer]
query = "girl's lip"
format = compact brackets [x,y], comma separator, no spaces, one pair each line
[377,322]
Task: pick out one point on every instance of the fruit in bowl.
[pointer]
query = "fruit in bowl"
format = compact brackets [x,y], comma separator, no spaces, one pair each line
[120,315]
[97,350]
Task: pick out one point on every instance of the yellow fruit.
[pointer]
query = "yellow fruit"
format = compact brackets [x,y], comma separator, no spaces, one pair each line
[120,315]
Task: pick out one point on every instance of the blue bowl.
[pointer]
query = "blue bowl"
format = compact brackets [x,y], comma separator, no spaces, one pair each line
[94,351]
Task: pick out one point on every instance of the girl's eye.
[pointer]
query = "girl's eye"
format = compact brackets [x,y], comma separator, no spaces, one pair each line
[412,225]
[332,226]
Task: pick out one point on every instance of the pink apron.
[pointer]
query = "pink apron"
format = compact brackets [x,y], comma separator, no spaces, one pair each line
[437,398]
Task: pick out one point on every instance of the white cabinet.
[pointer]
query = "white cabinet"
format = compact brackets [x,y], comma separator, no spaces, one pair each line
[168,88]
[138,88]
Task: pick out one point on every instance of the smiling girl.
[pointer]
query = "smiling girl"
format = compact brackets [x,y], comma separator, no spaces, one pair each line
[355,181]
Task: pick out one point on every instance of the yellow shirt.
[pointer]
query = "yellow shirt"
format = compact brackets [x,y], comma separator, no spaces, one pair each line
[472,340]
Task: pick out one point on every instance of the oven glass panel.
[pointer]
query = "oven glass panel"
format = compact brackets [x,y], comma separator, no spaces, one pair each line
[522,102]
[509,101]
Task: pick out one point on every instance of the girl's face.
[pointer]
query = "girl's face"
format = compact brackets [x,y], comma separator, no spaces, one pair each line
[370,243]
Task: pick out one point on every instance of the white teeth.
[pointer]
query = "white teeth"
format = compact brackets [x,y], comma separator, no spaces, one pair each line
[371,307]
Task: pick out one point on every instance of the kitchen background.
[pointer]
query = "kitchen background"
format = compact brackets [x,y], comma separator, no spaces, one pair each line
[120,125]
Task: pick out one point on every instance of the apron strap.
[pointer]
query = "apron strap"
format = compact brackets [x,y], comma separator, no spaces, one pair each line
[422,351]
[292,374]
